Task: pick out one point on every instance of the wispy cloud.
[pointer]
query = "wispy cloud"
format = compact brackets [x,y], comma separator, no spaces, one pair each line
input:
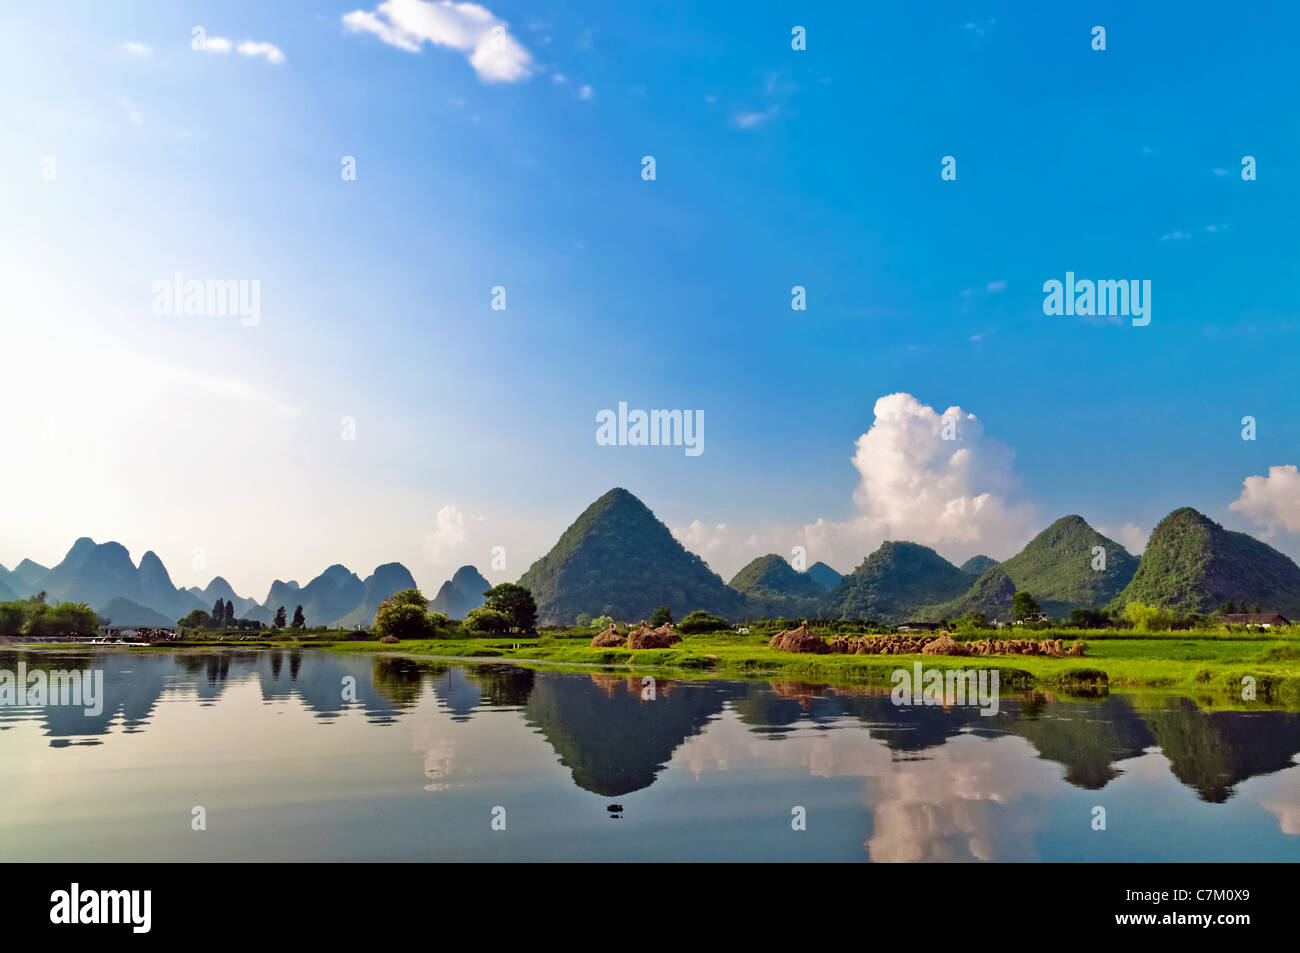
[497,57]
[752,120]
[138,49]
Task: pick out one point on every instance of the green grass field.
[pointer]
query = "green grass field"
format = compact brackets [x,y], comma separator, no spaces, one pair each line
[1207,665]
[1167,661]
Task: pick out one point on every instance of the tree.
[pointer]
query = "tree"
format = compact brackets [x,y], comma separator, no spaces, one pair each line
[601,623]
[701,621]
[299,620]
[516,604]
[1149,618]
[197,619]
[279,618]
[487,621]
[661,616]
[404,615]
[1089,619]
[12,617]
[583,621]
[67,618]
[1024,606]
[219,613]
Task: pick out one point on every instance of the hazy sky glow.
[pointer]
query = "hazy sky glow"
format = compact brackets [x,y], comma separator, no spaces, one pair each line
[502,145]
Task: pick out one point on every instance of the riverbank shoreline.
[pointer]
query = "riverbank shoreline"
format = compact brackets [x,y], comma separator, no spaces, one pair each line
[1221,669]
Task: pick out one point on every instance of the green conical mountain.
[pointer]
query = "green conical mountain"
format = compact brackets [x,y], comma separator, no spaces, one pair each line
[978,565]
[894,582]
[617,559]
[772,587]
[991,594]
[824,575]
[1056,567]
[1193,563]
[772,575]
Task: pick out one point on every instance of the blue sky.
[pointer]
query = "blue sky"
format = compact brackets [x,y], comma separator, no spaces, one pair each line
[479,166]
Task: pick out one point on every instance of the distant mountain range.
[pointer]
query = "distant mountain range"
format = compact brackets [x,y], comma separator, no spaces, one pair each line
[618,559]
[103,576]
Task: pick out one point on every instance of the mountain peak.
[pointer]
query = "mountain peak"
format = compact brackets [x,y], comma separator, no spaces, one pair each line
[1193,563]
[1062,569]
[896,580]
[461,593]
[619,559]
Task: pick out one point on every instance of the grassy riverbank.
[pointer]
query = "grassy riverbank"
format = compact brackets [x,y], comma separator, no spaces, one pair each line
[1170,661]
[1199,664]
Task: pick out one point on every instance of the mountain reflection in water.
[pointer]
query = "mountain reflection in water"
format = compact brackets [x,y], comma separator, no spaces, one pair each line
[691,769]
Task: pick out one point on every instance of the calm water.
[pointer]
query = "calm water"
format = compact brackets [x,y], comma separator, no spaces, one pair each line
[585,769]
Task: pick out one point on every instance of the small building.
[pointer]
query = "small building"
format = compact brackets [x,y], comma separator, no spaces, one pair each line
[1265,620]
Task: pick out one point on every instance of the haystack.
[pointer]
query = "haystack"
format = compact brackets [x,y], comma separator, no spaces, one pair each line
[801,639]
[609,639]
[389,640]
[944,645]
[647,638]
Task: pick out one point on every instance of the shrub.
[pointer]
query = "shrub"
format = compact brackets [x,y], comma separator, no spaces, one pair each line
[487,621]
[701,621]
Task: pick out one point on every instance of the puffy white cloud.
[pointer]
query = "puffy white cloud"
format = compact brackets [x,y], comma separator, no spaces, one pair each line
[1131,536]
[496,56]
[955,495]
[1272,501]
[217,44]
[268,51]
[930,478]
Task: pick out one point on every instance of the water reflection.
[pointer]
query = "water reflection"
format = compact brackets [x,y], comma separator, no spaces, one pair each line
[938,783]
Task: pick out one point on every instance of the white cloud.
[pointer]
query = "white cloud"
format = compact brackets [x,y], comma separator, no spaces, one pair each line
[586,92]
[704,539]
[217,44]
[953,495]
[268,51]
[138,49]
[451,530]
[496,56]
[752,120]
[1272,501]
[1131,536]
[995,286]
